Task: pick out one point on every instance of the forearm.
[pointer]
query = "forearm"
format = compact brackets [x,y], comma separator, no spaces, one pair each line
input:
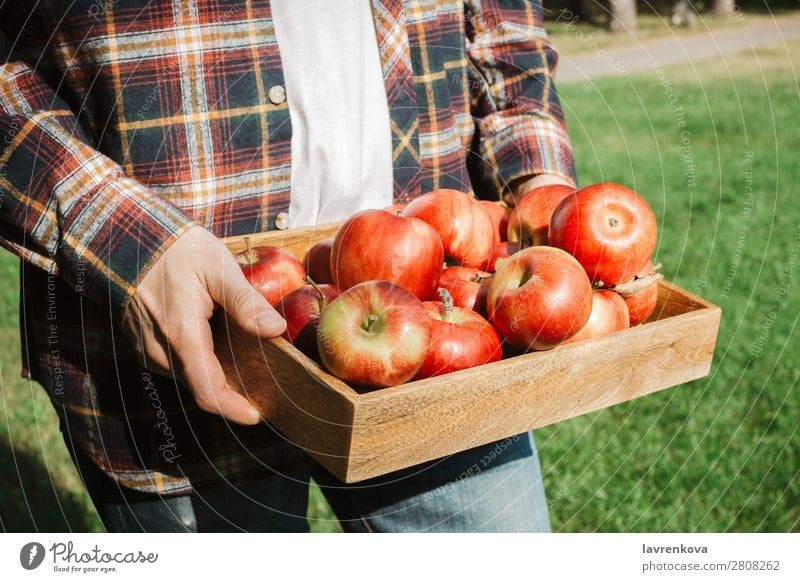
[520,124]
[66,207]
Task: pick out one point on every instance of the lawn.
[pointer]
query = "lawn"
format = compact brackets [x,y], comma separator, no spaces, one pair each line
[719,454]
[573,37]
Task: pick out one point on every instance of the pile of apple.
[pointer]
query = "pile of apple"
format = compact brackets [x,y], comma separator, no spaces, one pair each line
[448,282]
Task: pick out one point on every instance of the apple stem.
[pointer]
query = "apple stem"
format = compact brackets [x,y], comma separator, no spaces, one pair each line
[322,301]
[371,322]
[447,301]
[478,278]
[637,285]
[248,253]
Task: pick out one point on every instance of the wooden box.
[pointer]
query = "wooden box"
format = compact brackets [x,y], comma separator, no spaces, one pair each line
[357,434]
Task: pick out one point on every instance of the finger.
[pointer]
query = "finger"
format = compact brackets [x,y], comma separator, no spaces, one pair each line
[204,378]
[240,300]
[155,359]
[148,341]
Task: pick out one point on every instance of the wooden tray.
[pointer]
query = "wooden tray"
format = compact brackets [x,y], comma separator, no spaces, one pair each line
[358,434]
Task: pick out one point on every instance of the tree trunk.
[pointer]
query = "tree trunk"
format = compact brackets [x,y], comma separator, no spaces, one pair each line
[723,8]
[589,10]
[623,15]
[683,13]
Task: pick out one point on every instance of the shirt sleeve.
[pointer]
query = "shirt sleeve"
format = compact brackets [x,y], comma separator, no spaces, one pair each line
[66,207]
[520,126]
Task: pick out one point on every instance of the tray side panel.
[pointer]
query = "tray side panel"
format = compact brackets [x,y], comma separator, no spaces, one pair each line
[286,387]
[674,300]
[358,436]
[296,241]
[400,428]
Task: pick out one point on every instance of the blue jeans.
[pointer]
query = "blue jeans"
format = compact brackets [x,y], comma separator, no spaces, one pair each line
[492,488]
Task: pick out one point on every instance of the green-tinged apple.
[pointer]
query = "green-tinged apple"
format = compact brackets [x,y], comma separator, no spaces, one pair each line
[374,334]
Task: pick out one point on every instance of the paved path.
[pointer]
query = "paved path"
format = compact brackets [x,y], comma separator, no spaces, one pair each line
[623,61]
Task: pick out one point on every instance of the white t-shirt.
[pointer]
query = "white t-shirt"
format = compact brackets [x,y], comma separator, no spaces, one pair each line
[341,137]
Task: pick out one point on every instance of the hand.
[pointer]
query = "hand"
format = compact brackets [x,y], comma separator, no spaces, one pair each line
[522,186]
[167,319]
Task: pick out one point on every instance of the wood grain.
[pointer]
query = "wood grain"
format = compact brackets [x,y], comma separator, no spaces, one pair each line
[313,409]
[296,241]
[446,414]
[357,435]
[672,300]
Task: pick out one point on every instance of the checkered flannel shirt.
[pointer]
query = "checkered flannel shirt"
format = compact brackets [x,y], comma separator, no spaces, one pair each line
[125,122]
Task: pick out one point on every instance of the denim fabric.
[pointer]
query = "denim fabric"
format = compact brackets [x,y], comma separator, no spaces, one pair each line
[492,488]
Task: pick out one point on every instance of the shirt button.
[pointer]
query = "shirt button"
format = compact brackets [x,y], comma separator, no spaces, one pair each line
[277,94]
[282,221]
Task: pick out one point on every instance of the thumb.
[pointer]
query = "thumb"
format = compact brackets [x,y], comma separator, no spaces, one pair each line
[240,300]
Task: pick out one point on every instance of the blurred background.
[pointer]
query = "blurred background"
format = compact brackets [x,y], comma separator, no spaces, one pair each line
[695,105]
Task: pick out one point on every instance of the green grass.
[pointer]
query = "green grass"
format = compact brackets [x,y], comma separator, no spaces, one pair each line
[577,38]
[39,487]
[719,454]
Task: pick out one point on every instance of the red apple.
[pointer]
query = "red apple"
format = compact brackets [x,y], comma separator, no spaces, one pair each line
[460,339]
[395,208]
[539,297]
[374,334]
[501,251]
[375,244]
[466,230]
[301,309]
[317,261]
[530,218]
[467,287]
[499,215]
[641,294]
[609,228]
[609,314]
[273,271]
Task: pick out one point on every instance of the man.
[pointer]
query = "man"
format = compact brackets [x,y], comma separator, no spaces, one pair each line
[138,132]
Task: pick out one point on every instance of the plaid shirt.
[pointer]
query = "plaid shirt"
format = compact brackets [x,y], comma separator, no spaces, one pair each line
[127,121]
